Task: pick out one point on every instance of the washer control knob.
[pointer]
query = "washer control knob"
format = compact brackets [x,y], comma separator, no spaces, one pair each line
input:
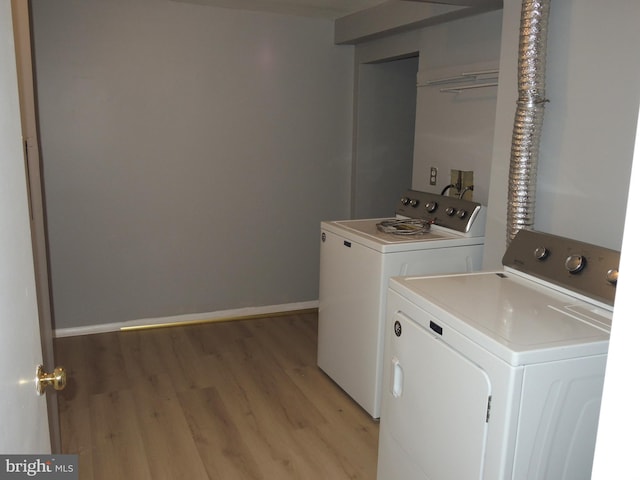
[575,263]
[541,253]
[450,211]
[612,276]
[462,213]
[414,203]
[404,201]
[431,206]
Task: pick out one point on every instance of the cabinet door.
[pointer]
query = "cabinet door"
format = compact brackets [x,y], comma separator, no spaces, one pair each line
[435,403]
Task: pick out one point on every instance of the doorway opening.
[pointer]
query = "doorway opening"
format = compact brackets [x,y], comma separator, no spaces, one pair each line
[384,135]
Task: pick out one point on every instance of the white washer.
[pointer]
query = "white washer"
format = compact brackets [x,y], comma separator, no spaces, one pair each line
[356,262]
[498,375]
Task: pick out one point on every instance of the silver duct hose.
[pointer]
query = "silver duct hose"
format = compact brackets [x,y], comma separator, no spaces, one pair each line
[527,125]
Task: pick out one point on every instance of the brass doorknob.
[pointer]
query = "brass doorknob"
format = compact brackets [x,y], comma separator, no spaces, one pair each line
[57,379]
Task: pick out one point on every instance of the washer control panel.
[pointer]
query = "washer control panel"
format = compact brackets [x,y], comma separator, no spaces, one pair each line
[453,213]
[577,266]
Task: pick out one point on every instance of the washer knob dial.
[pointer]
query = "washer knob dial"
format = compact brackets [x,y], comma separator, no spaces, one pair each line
[462,213]
[450,211]
[413,202]
[404,201]
[612,276]
[541,253]
[575,263]
[431,206]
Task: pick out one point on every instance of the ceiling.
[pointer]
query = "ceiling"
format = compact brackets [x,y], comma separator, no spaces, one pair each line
[313,8]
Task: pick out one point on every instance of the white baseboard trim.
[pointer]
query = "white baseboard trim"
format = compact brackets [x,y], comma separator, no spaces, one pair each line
[222,315]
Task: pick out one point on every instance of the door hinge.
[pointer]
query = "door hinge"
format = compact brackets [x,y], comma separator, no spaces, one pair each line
[488,409]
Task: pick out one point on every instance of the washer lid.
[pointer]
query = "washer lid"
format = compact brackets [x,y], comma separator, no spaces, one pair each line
[367,233]
[517,319]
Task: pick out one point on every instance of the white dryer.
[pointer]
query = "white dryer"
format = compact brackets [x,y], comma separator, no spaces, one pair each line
[498,375]
[357,258]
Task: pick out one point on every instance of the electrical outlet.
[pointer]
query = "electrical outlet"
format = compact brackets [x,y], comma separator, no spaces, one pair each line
[433,176]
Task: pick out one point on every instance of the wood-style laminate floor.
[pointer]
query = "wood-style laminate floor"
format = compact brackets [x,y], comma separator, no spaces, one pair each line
[231,400]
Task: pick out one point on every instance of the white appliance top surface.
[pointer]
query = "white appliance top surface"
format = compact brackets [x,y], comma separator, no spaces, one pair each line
[366,232]
[517,319]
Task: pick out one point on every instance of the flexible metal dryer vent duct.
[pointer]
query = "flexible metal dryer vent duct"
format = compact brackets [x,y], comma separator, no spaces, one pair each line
[527,125]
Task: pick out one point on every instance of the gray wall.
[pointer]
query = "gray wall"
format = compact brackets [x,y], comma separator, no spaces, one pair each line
[189,155]
[593,83]
[451,131]
[587,140]
[386,112]
[179,142]
[455,131]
